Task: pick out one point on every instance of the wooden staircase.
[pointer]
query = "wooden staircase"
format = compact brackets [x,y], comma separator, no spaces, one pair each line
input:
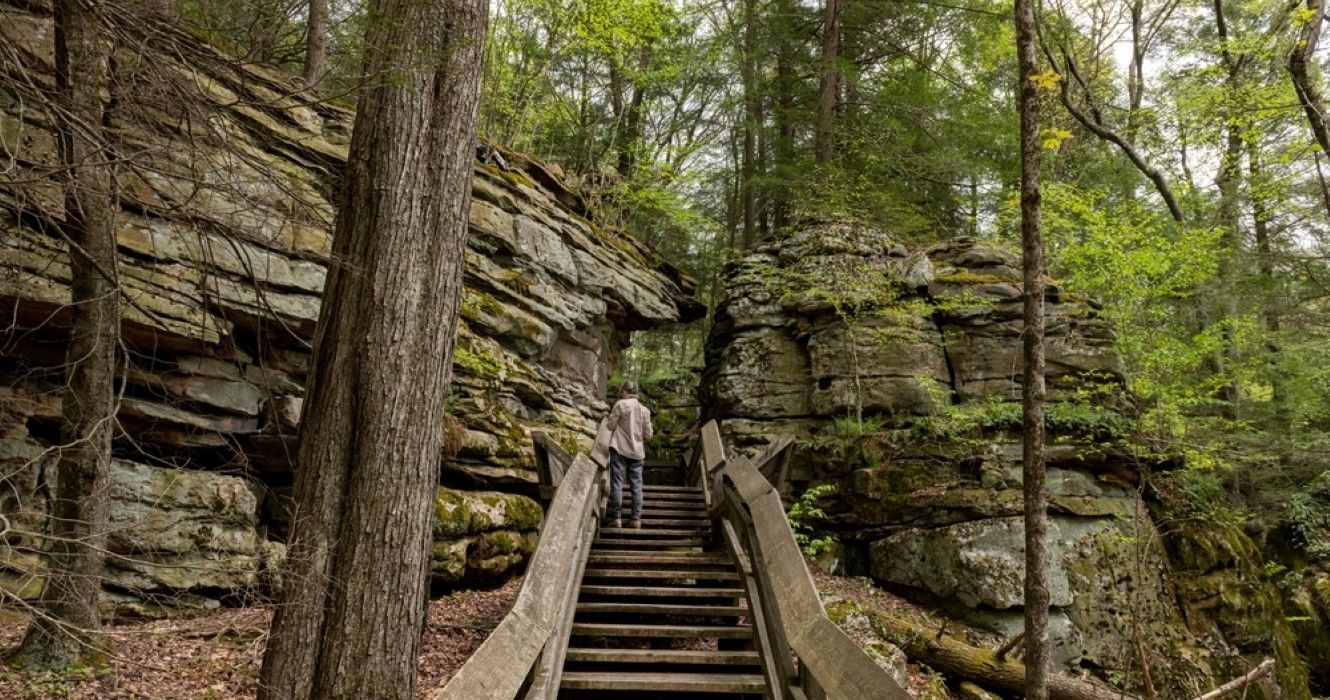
[710,598]
[660,612]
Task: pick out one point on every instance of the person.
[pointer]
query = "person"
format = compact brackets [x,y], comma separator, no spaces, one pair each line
[630,427]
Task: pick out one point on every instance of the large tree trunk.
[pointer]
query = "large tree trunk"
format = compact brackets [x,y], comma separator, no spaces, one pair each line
[316,41]
[752,121]
[66,630]
[1037,648]
[368,461]
[829,90]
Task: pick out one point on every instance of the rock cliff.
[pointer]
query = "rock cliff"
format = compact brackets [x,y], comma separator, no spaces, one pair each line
[899,371]
[225,180]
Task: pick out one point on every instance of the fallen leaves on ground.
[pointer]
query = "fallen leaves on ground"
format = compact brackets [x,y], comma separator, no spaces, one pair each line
[216,656]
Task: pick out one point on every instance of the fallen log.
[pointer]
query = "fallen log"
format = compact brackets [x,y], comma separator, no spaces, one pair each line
[1240,682]
[955,657]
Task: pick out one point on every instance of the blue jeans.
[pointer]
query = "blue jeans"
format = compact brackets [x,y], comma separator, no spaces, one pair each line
[618,463]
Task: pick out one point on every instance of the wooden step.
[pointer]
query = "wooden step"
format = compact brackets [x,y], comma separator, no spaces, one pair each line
[658,558]
[665,656]
[661,523]
[659,488]
[665,496]
[672,574]
[653,532]
[661,543]
[673,513]
[663,609]
[608,629]
[663,682]
[660,591]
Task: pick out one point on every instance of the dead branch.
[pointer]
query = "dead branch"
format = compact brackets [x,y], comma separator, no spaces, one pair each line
[1261,669]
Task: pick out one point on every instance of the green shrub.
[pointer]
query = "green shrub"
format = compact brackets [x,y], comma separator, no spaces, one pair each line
[803,514]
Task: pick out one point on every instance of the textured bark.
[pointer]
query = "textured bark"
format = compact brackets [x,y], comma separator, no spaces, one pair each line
[1309,95]
[368,461]
[829,89]
[1037,648]
[752,121]
[66,633]
[316,42]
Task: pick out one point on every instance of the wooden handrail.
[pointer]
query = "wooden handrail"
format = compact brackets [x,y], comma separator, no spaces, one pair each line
[833,665]
[552,463]
[500,667]
[524,655]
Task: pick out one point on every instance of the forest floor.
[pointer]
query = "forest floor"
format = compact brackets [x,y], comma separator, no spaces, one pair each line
[216,656]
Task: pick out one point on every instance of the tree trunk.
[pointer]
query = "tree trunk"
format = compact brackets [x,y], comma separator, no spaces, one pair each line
[630,136]
[783,116]
[959,659]
[316,42]
[1228,182]
[829,90]
[1265,256]
[1135,71]
[66,632]
[752,117]
[1037,648]
[1309,95]
[349,623]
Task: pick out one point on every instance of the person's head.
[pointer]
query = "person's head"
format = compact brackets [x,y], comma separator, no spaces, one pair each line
[628,390]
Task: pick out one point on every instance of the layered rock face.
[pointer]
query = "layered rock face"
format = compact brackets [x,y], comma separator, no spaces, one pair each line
[839,321]
[226,186]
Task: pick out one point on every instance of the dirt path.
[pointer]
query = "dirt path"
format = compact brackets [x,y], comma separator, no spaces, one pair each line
[216,656]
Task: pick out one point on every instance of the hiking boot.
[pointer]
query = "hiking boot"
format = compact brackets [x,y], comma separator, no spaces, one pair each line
[613,522]
[635,523]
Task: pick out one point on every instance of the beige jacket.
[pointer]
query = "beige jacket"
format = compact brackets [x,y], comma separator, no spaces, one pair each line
[630,428]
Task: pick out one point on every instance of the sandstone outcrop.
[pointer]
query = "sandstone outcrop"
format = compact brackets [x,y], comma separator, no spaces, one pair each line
[225,242]
[899,371]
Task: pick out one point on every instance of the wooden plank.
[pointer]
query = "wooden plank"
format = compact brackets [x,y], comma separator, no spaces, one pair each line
[665,656]
[670,574]
[552,462]
[713,449]
[664,609]
[621,557]
[765,460]
[773,665]
[634,590]
[597,629]
[501,665]
[652,532]
[841,668]
[611,544]
[549,666]
[663,681]
[600,449]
